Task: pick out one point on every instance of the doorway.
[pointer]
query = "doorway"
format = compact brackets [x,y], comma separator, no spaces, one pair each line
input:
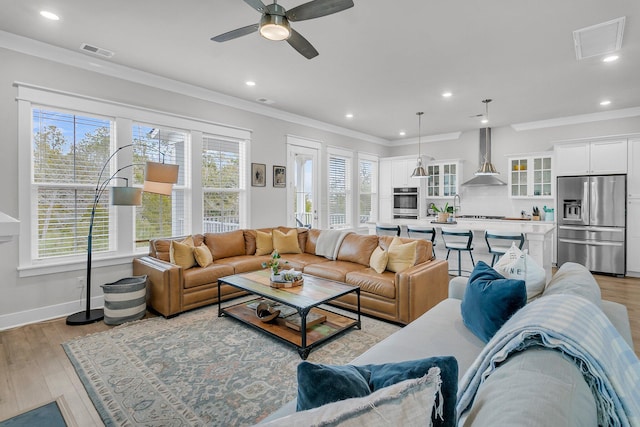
[303,194]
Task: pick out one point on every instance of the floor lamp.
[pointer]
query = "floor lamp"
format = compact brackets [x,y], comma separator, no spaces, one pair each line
[158,178]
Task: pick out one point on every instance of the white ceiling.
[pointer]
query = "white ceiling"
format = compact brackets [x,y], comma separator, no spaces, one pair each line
[381,60]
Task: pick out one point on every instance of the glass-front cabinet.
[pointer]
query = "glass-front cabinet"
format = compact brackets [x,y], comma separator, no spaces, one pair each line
[530,176]
[444,178]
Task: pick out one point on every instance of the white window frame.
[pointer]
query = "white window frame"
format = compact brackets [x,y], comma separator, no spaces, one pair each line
[363,157]
[333,152]
[30,96]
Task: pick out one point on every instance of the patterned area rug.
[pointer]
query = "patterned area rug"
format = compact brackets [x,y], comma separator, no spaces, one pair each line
[198,369]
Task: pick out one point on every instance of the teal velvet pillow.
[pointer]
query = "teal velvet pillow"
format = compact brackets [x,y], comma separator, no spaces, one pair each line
[490,300]
[321,384]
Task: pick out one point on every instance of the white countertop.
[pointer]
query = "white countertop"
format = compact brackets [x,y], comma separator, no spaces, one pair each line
[527,227]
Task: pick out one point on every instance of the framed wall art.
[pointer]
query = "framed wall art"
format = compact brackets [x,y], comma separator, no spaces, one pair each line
[258,174]
[279,176]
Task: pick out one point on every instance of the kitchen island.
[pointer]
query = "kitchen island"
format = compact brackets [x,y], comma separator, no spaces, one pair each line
[538,234]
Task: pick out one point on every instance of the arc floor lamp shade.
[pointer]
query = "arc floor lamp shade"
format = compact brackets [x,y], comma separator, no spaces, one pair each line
[160,177]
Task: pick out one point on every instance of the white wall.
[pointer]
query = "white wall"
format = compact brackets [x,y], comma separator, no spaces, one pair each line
[27,299]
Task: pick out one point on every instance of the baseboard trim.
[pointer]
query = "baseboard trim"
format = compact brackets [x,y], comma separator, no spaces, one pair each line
[41,314]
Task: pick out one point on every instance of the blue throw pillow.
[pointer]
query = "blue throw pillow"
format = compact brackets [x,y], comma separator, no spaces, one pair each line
[490,300]
[321,384]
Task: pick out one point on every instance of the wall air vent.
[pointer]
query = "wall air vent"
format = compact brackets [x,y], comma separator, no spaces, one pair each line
[96,50]
[599,39]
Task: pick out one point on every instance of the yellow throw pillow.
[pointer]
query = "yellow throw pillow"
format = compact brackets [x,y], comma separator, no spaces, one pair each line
[401,255]
[181,253]
[264,243]
[378,260]
[286,243]
[203,256]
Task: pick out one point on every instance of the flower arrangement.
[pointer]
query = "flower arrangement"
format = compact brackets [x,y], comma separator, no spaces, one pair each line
[274,262]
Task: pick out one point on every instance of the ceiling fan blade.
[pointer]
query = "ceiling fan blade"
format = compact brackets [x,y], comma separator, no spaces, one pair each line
[317,8]
[234,34]
[256,4]
[302,45]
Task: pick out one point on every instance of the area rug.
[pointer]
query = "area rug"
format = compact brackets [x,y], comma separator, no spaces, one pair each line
[198,369]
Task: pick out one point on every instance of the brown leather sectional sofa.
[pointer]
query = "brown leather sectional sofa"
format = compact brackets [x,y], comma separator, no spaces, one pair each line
[399,297]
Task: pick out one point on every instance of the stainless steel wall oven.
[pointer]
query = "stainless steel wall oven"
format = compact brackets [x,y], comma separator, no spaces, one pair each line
[405,202]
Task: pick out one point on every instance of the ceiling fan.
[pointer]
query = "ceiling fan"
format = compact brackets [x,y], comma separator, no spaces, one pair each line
[274,24]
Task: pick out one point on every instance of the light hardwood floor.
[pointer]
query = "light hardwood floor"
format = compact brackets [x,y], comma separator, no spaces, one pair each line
[35,369]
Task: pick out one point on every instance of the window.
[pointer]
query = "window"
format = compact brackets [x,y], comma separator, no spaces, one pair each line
[68,152]
[340,196]
[368,188]
[160,216]
[222,184]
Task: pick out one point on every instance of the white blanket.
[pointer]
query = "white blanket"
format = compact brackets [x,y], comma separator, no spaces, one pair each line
[583,333]
[329,242]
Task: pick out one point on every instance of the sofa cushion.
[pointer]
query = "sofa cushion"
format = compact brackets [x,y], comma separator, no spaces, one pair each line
[575,279]
[370,281]
[199,276]
[379,259]
[181,253]
[332,270]
[202,254]
[401,255]
[357,248]
[517,264]
[312,239]
[490,300]
[407,403]
[224,245]
[320,384]
[264,242]
[536,387]
[423,247]
[299,261]
[286,243]
[244,263]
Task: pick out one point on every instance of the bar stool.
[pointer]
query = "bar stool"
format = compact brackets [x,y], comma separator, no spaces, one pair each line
[387,230]
[502,241]
[427,233]
[456,239]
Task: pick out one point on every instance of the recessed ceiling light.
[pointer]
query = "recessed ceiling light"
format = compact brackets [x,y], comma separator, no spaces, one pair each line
[484,121]
[349,116]
[610,58]
[447,95]
[402,133]
[250,83]
[49,15]
[605,102]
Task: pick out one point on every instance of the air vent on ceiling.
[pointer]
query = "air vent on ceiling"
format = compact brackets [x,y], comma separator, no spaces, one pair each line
[96,50]
[599,39]
[266,101]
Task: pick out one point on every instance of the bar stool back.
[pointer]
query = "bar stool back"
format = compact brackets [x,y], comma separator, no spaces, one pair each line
[499,242]
[387,230]
[427,233]
[460,240]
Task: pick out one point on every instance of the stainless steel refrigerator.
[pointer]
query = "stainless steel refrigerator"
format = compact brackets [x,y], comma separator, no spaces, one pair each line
[591,222]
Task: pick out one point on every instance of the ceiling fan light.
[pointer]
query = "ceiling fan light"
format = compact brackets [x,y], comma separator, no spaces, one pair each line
[275,27]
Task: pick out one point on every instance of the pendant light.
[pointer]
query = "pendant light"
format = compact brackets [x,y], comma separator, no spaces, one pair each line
[419,171]
[486,168]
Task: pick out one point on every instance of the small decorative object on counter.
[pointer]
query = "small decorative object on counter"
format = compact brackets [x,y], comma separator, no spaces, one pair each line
[548,213]
[535,214]
[287,279]
[443,212]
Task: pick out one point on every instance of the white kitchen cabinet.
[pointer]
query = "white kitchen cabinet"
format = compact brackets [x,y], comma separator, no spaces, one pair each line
[385,205]
[633,168]
[530,176]
[444,178]
[633,235]
[401,170]
[384,183]
[591,157]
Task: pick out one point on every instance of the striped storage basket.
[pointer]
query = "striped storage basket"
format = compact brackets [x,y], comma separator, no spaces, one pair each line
[125,300]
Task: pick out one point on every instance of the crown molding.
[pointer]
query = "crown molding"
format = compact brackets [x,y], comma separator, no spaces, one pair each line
[49,52]
[429,138]
[579,119]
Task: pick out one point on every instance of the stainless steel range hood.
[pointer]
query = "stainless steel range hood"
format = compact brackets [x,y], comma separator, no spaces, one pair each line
[486,174]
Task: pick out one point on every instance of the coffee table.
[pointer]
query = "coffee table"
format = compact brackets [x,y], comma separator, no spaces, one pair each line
[304,299]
